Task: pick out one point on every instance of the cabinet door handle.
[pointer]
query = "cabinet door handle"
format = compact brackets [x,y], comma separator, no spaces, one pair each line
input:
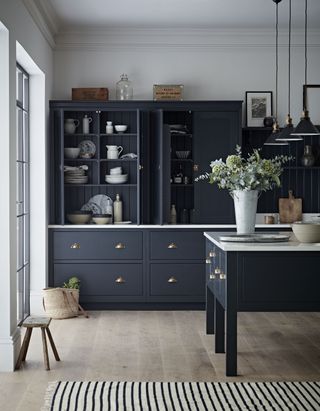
[75,246]
[222,276]
[208,261]
[140,167]
[172,246]
[120,280]
[212,254]
[120,246]
[172,280]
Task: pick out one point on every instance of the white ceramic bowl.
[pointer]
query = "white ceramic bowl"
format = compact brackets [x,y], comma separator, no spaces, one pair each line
[120,128]
[306,232]
[71,152]
[116,171]
[101,220]
[116,178]
[79,217]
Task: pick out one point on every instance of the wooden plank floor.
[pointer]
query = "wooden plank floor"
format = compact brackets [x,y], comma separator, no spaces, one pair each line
[164,346]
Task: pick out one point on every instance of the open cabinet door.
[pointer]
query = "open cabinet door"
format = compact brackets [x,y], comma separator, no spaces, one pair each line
[215,136]
[160,169]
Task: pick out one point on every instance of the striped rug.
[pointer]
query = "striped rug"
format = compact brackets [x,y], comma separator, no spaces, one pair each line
[182,396]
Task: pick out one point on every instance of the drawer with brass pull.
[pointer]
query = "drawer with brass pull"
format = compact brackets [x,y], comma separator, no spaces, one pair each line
[102,279]
[177,279]
[97,245]
[175,245]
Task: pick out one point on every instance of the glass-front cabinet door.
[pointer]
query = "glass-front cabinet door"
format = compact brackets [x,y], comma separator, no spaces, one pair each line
[97,159]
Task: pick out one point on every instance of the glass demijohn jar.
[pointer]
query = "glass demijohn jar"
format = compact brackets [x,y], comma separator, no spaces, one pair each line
[124,90]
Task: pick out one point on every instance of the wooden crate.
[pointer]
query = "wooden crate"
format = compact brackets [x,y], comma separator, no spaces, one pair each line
[168,92]
[90,94]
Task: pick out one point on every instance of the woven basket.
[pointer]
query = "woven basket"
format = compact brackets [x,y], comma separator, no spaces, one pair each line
[60,303]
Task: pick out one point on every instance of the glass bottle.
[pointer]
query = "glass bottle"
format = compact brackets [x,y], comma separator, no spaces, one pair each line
[178,178]
[308,159]
[117,209]
[173,214]
[124,90]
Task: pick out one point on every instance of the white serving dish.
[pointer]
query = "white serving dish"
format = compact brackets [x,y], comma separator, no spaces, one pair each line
[71,152]
[116,179]
[306,232]
[120,128]
[79,218]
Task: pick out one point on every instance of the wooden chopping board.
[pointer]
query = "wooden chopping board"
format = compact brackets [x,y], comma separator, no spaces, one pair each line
[290,209]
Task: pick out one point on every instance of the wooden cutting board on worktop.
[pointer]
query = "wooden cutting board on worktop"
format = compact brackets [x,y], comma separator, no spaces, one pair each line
[290,209]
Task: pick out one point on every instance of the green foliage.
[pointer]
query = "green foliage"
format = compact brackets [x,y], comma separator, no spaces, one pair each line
[252,173]
[73,282]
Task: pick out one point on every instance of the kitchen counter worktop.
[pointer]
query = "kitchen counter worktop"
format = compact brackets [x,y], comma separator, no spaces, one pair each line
[292,245]
[164,226]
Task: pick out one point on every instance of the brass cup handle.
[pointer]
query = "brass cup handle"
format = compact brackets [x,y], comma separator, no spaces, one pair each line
[208,261]
[172,280]
[212,276]
[120,280]
[120,246]
[172,246]
[222,276]
[212,254]
[75,246]
[217,270]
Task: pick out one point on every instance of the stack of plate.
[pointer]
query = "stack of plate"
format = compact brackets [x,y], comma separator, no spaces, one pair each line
[75,176]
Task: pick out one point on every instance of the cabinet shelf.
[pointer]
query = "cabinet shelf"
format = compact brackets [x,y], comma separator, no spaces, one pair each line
[119,135]
[188,160]
[79,160]
[181,185]
[100,185]
[302,168]
[80,135]
[118,159]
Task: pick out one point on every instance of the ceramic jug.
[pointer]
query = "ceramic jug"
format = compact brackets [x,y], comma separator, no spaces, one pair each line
[113,152]
[70,125]
[86,124]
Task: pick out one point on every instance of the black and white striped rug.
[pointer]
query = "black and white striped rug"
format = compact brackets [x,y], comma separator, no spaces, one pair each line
[182,396]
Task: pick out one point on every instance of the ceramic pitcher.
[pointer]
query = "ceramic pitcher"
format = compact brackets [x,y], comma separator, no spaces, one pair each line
[113,152]
[70,125]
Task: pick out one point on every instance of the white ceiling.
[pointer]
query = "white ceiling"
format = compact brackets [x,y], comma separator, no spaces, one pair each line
[217,14]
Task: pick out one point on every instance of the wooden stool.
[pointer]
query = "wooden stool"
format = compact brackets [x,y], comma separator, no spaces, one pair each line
[37,322]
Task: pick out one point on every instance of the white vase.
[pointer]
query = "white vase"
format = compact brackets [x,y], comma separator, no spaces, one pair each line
[245,207]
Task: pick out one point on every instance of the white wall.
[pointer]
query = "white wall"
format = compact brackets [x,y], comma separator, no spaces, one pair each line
[211,64]
[19,28]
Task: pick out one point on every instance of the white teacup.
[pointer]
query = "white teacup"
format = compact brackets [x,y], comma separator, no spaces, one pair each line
[113,152]
[116,171]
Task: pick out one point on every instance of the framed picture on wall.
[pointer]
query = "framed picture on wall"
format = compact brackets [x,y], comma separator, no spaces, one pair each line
[258,106]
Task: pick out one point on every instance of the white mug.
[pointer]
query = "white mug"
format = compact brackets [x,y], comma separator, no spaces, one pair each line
[113,152]
[70,125]
[86,124]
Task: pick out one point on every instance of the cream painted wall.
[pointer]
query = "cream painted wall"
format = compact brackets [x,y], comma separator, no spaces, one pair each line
[211,65]
[21,28]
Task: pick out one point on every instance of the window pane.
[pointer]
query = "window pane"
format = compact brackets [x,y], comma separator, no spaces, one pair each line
[20,246]
[19,134]
[26,290]
[25,92]
[25,136]
[26,250]
[20,295]
[19,199]
[26,191]
[19,86]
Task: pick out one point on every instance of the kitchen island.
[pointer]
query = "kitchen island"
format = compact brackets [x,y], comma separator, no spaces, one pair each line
[256,277]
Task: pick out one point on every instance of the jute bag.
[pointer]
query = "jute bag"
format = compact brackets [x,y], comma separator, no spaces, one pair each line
[61,303]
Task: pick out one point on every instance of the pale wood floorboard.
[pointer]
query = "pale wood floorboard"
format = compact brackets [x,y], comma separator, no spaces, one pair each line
[164,346]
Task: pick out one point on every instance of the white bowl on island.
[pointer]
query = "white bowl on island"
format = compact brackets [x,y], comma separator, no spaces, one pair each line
[306,232]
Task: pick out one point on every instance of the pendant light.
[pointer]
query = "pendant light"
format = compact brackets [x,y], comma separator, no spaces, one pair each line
[305,127]
[272,139]
[285,134]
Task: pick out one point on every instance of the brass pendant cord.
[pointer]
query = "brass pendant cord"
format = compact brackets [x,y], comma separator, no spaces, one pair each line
[277,58]
[289,60]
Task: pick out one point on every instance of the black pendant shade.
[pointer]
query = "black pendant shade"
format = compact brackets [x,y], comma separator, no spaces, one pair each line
[272,140]
[286,133]
[305,126]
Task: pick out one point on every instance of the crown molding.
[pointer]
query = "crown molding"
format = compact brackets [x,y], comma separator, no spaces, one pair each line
[197,39]
[45,18]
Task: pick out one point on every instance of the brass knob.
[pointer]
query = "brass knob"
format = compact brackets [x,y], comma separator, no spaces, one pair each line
[172,246]
[208,261]
[217,270]
[172,280]
[212,276]
[212,254]
[120,280]
[196,167]
[140,167]
[75,246]
[120,246]
[222,276]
